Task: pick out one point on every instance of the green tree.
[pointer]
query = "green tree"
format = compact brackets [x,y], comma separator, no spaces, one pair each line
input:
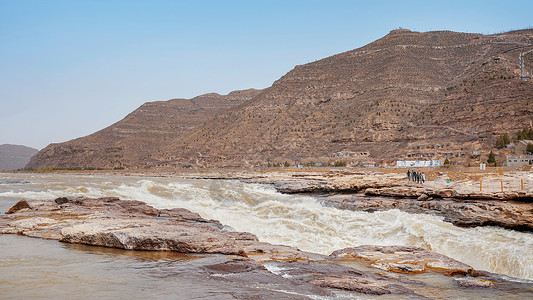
[530,134]
[506,139]
[446,161]
[519,135]
[492,158]
[524,134]
[500,143]
[529,148]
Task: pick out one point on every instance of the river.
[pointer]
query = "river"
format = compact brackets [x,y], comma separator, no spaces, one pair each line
[295,220]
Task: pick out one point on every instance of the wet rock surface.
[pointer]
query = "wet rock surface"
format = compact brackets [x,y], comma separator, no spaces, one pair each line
[240,259]
[406,259]
[460,202]
[134,225]
[464,213]
[22,204]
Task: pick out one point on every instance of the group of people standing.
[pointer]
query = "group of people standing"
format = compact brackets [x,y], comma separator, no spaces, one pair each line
[417,177]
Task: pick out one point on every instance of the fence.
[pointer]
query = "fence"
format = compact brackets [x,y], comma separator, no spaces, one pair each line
[505,184]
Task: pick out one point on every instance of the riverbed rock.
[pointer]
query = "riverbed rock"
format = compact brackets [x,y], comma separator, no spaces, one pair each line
[405,259]
[134,225]
[468,283]
[361,285]
[61,200]
[514,215]
[422,197]
[22,204]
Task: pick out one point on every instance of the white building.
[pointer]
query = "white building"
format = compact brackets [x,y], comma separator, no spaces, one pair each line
[519,160]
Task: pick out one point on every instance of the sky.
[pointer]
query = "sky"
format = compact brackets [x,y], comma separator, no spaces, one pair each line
[70,68]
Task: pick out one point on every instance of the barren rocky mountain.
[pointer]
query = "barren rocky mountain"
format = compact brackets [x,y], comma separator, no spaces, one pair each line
[408,95]
[14,157]
[132,141]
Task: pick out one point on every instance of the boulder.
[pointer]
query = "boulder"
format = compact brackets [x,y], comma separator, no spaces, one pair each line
[61,200]
[422,197]
[22,204]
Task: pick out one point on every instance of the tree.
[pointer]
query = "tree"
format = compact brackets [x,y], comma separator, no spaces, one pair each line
[492,158]
[506,139]
[530,134]
[529,148]
[500,143]
[519,135]
[446,161]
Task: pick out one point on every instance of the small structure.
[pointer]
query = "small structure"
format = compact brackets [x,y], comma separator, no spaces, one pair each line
[519,160]
[418,163]
[368,164]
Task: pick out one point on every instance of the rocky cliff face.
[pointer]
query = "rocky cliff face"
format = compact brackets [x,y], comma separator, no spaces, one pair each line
[409,94]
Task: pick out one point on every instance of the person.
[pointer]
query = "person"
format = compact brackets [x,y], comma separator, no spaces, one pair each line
[423,177]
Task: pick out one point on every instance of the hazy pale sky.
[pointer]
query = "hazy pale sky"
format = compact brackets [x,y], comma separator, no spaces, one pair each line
[70,68]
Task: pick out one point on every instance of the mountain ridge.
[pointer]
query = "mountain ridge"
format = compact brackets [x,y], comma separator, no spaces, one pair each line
[408,94]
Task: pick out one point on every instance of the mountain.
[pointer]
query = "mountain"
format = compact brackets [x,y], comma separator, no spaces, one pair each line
[13,157]
[408,95]
[132,141]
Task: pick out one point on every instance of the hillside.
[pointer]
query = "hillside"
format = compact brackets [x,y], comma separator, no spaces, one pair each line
[132,141]
[13,157]
[408,95]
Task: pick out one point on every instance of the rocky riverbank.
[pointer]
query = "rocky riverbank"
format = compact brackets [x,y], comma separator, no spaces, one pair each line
[461,201]
[134,225]
[463,213]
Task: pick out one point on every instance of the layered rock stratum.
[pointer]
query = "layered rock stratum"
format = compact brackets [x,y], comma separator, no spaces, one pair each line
[430,95]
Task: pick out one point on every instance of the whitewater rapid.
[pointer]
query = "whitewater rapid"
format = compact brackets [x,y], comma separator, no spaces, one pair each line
[295,220]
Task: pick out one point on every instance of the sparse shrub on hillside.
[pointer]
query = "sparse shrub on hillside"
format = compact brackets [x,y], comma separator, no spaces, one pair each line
[340,163]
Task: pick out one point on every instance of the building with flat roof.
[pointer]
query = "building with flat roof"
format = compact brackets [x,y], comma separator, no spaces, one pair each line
[519,160]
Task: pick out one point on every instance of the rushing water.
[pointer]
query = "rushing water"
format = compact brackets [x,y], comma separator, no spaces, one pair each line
[294,220]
